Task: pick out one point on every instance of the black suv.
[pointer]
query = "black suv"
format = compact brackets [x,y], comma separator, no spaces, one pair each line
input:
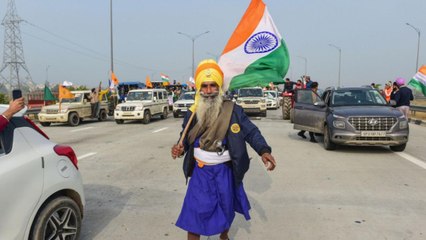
[351,116]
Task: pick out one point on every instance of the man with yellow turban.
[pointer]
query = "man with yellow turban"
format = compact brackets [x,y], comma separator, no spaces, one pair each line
[214,143]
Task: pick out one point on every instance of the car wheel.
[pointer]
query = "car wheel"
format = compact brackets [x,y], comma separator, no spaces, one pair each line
[59,219]
[328,144]
[175,115]
[102,115]
[146,117]
[119,121]
[73,119]
[398,148]
[45,124]
[165,113]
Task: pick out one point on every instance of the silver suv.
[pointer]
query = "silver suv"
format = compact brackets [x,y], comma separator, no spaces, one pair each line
[351,116]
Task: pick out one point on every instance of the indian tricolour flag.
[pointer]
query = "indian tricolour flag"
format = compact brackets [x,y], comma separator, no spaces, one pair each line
[164,77]
[256,54]
[419,80]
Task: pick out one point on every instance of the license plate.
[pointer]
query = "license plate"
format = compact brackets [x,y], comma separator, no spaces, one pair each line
[373,134]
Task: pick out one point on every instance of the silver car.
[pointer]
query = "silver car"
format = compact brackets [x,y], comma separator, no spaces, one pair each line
[351,116]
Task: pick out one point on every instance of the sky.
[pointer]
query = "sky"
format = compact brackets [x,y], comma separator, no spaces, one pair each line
[70,40]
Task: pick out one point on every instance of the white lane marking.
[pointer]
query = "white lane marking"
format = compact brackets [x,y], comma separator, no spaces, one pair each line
[81,129]
[159,130]
[86,155]
[412,159]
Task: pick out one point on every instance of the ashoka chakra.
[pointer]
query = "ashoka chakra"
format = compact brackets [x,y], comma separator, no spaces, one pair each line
[261,42]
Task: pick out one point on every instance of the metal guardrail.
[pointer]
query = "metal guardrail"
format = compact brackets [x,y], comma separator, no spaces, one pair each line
[414,109]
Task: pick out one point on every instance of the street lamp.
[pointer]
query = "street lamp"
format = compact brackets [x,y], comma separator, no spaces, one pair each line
[418,44]
[340,61]
[193,38]
[306,65]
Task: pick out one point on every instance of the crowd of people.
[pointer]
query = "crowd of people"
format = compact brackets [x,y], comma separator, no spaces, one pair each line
[398,92]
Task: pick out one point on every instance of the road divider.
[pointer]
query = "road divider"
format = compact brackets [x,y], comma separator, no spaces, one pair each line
[81,129]
[159,130]
[412,159]
[86,155]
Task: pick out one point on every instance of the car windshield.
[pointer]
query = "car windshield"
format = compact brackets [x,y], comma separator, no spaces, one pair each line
[272,94]
[77,98]
[187,96]
[138,96]
[357,97]
[250,92]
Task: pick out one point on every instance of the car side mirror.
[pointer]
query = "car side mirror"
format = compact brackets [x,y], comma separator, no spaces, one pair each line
[155,99]
[84,101]
[392,103]
[320,104]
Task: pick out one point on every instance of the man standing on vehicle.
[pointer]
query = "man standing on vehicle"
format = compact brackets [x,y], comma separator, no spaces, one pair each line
[94,101]
[216,157]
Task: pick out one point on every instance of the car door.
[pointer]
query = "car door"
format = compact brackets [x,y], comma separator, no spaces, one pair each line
[21,181]
[309,111]
[87,109]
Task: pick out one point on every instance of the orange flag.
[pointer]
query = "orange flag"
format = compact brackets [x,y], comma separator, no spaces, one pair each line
[148,82]
[64,92]
[114,79]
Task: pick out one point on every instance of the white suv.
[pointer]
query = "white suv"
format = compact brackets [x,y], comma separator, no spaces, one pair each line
[40,185]
[142,104]
[180,107]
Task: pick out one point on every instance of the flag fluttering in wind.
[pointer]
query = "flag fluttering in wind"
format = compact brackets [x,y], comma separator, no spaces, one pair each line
[419,80]
[48,95]
[64,93]
[148,82]
[114,79]
[165,78]
[256,54]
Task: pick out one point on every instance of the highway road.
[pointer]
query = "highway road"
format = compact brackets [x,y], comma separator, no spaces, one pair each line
[134,190]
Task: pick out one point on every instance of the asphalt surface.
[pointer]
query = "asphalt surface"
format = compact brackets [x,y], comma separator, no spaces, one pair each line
[134,190]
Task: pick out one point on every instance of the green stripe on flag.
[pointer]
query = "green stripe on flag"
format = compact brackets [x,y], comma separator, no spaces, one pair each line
[270,68]
[418,85]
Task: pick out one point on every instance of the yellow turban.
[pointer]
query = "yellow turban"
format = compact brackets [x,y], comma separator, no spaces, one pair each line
[207,71]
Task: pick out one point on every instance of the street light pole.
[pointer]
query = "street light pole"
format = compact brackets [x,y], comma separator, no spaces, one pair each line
[193,38]
[340,61]
[418,44]
[47,73]
[306,66]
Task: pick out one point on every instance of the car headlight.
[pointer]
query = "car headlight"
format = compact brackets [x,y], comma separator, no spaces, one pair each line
[138,108]
[263,100]
[43,110]
[239,101]
[403,123]
[339,124]
[63,110]
[175,105]
[117,108]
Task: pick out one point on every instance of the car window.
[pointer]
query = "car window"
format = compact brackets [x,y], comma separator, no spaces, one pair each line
[187,96]
[307,96]
[77,98]
[357,97]
[250,92]
[138,96]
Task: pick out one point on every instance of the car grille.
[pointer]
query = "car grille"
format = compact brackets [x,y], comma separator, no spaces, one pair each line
[251,101]
[372,123]
[184,105]
[373,138]
[51,111]
[127,108]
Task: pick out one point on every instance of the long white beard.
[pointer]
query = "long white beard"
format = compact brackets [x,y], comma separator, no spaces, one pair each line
[208,110]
